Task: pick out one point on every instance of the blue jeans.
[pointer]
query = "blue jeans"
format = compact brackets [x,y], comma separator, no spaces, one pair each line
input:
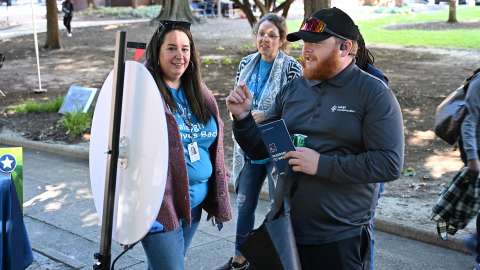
[372,227]
[166,250]
[248,186]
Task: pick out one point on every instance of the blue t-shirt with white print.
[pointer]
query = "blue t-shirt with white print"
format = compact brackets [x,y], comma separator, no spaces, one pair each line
[193,131]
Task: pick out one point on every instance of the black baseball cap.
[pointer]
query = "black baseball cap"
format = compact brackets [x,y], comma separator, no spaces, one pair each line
[325,23]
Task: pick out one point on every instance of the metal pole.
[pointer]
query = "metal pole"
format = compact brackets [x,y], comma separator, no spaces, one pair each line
[104,256]
[40,89]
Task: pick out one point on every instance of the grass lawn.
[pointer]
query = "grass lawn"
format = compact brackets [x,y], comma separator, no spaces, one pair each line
[375,33]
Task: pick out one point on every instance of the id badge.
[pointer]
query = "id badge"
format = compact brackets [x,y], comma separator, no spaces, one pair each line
[193,152]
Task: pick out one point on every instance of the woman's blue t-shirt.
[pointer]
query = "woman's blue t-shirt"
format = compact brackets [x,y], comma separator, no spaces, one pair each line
[191,130]
[204,135]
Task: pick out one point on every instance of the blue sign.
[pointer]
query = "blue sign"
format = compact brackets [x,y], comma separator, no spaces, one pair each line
[7,163]
[78,99]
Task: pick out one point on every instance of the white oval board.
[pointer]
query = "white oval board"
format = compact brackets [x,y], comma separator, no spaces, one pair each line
[140,186]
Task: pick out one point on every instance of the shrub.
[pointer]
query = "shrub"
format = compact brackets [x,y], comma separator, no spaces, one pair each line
[76,123]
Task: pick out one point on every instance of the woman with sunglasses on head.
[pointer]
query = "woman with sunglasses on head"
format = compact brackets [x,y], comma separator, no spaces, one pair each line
[196,173]
[264,73]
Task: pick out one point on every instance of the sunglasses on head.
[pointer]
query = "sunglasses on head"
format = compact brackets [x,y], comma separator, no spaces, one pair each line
[314,25]
[167,24]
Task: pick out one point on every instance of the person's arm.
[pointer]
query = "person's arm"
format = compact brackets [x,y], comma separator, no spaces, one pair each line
[384,143]
[244,127]
[470,123]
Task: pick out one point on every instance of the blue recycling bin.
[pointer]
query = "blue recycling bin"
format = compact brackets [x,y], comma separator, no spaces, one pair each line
[15,249]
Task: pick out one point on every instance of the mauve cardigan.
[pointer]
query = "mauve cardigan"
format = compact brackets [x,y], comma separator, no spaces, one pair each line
[176,200]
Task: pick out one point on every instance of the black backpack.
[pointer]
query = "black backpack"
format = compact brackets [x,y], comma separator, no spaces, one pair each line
[451,112]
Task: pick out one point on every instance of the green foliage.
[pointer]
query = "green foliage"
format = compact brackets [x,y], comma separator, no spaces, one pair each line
[147,12]
[76,123]
[226,61]
[374,30]
[207,61]
[31,106]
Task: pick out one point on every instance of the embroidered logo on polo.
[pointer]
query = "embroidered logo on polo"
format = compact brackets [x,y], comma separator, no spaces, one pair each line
[7,163]
[341,108]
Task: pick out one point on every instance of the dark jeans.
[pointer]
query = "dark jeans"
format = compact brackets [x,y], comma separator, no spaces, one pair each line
[347,254]
[248,186]
[66,21]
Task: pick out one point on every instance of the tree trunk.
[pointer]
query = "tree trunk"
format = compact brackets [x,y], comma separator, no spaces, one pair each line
[53,33]
[310,6]
[452,12]
[176,10]
[91,4]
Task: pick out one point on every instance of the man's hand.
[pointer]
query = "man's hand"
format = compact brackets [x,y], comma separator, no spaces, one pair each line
[473,165]
[303,160]
[239,102]
[258,116]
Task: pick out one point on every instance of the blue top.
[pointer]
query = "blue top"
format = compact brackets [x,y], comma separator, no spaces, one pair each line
[191,131]
[257,81]
[204,135]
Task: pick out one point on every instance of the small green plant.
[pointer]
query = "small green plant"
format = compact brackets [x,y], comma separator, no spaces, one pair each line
[207,61]
[31,106]
[76,123]
[226,60]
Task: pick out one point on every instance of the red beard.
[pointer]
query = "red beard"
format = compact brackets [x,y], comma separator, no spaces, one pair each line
[323,70]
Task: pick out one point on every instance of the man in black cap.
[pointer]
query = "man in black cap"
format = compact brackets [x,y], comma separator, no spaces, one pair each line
[354,130]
